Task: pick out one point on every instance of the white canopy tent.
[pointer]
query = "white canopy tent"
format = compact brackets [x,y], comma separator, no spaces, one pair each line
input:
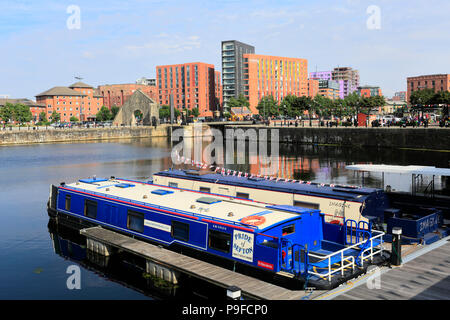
[416,172]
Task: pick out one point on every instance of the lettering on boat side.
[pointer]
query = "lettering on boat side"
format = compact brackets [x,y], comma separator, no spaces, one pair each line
[243,245]
[265,265]
[157,225]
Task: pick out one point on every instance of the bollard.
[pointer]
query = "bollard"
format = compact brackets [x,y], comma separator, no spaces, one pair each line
[233,293]
[396,254]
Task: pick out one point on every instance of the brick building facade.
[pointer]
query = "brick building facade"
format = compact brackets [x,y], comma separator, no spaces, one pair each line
[117,94]
[193,85]
[78,100]
[437,82]
[271,75]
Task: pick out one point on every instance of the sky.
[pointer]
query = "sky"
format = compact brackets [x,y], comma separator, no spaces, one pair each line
[42,46]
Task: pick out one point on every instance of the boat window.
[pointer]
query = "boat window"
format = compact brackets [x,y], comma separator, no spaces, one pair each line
[67,204]
[90,209]
[242,195]
[288,230]
[219,241]
[223,189]
[180,231]
[306,205]
[204,189]
[135,221]
[173,184]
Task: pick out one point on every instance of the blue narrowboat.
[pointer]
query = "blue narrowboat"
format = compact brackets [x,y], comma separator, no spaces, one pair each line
[285,240]
[337,202]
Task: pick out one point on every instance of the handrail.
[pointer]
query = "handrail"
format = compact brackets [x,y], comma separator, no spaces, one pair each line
[352,258]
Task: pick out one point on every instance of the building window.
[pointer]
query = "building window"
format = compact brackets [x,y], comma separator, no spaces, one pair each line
[67,203]
[135,221]
[219,241]
[90,209]
[180,231]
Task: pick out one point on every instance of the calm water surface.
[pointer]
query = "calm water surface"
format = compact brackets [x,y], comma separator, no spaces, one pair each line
[34,259]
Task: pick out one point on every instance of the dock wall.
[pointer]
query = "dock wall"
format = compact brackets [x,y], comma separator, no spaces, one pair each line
[411,138]
[25,136]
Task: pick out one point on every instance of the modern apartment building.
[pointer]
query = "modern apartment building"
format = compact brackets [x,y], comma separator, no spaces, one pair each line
[272,75]
[328,76]
[437,82]
[313,87]
[349,78]
[193,85]
[118,94]
[329,89]
[146,81]
[79,100]
[321,75]
[232,68]
[399,96]
[369,91]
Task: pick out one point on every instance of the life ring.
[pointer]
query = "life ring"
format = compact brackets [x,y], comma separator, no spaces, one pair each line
[254,220]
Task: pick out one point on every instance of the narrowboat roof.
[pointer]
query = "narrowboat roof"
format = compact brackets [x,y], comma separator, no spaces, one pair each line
[194,204]
[349,193]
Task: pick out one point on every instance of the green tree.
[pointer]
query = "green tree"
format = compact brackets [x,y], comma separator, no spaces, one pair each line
[164,112]
[423,97]
[114,112]
[193,112]
[74,119]
[7,112]
[56,117]
[268,106]
[22,113]
[353,103]
[104,114]
[43,119]
[241,101]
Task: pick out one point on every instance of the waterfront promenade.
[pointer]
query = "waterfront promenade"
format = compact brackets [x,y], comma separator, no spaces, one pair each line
[431,138]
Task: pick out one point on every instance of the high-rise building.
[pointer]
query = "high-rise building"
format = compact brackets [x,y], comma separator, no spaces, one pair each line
[271,75]
[193,85]
[437,82]
[349,78]
[232,68]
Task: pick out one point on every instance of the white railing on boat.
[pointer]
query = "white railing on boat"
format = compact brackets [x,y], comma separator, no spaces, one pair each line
[348,261]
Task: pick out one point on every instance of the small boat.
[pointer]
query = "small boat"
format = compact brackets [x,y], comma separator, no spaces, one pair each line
[289,241]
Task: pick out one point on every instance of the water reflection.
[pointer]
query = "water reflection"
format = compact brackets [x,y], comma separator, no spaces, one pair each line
[125,269]
[27,171]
